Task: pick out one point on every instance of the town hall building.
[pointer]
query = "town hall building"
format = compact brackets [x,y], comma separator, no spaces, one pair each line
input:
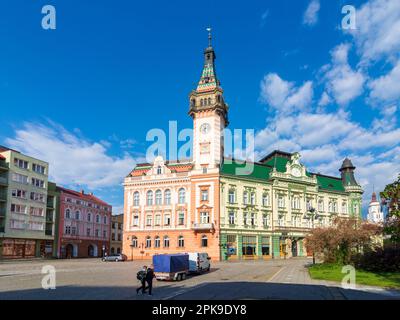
[210,204]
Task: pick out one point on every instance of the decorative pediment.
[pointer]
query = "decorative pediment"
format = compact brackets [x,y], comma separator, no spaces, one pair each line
[204,207]
[294,168]
[159,167]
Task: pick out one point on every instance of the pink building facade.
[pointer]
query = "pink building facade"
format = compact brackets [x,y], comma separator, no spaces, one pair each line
[84,225]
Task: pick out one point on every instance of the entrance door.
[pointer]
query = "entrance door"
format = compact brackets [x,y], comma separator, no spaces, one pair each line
[91,251]
[282,249]
[294,248]
[69,250]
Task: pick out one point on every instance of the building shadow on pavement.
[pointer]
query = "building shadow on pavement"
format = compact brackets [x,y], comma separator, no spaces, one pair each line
[206,291]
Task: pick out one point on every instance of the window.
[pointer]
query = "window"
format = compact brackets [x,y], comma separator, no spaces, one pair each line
[157,220]
[245,217]
[157,242]
[320,205]
[17,224]
[38,168]
[148,242]
[204,241]
[149,200]
[88,232]
[281,221]
[181,242]
[265,220]
[204,195]
[335,209]
[181,193]
[253,198]
[245,197]
[20,178]
[39,197]
[253,219]
[158,197]
[281,202]
[134,242]
[265,244]
[16,193]
[36,226]
[231,217]
[167,219]
[38,212]
[68,214]
[296,202]
[209,101]
[97,219]
[204,217]
[166,242]
[136,199]
[159,170]
[204,170]
[149,220]
[38,183]
[308,204]
[17,208]
[265,199]
[344,207]
[119,238]
[67,230]
[231,196]
[355,208]
[330,206]
[104,234]
[105,220]
[89,216]
[167,197]
[135,220]
[97,233]
[77,215]
[181,218]
[21,163]
[249,244]
[73,231]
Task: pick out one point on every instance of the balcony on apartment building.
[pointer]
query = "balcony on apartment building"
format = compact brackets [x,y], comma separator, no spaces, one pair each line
[3,166]
[203,226]
[3,181]
[3,195]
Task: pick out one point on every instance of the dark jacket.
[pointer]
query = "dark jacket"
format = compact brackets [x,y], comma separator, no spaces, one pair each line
[150,274]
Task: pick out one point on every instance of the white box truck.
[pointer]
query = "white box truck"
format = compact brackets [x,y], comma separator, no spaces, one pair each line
[199,262]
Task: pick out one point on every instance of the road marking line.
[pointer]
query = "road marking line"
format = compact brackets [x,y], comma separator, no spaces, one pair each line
[275,274]
[180,292]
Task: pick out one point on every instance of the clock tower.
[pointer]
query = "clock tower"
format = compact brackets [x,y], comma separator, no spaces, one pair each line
[210,116]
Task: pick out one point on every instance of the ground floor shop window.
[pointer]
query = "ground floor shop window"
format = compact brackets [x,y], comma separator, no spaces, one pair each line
[231,244]
[265,246]
[249,245]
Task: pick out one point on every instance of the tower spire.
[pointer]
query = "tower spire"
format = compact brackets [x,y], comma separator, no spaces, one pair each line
[209,36]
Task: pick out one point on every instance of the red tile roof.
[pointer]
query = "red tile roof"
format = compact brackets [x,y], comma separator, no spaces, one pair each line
[2,157]
[85,196]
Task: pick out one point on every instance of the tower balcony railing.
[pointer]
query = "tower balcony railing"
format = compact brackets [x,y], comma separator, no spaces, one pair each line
[203,226]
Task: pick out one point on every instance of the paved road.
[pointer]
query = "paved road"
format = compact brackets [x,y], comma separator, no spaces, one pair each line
[93,279]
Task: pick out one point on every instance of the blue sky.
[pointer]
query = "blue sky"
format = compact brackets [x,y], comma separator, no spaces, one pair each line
[84,96]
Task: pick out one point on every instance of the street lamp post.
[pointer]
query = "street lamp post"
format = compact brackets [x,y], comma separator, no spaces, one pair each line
[313,215]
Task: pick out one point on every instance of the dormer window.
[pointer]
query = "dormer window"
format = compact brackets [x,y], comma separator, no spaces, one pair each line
[159,170]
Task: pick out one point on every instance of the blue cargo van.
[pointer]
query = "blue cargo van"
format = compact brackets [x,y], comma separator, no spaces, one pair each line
[171,266]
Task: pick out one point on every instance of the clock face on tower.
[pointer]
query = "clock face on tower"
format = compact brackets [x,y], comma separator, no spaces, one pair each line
[296,172]
[205,128]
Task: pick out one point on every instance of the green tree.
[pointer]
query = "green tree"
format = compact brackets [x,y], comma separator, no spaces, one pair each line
[391,199]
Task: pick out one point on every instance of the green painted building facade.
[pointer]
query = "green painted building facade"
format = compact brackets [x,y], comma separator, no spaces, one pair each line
[268,207]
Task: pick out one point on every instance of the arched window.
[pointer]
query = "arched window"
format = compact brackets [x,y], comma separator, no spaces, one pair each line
[67,214]
[182,193]
[97,219]
[148,242]
[204,241]
[105,219]
[136,198]
[89,216]
[134,242]
[167,196]
[166,242]
[201,102]
[245,197]
[159,170]
[158,197]
[181,242]
[77,215]
[149,198]
[231,196]
[265,199]
[157,242]
[344,207]
[209,101]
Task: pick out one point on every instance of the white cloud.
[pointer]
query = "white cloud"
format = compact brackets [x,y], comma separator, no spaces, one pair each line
[283,95]
[73,160]
[342,82]
[310,16]
[264,17]
[387,87]
[377,30]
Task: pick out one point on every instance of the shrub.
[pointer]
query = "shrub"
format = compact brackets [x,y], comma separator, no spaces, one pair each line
[380,260]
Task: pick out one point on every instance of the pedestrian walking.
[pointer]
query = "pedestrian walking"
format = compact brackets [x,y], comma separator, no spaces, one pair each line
[141,276]
[149,279]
